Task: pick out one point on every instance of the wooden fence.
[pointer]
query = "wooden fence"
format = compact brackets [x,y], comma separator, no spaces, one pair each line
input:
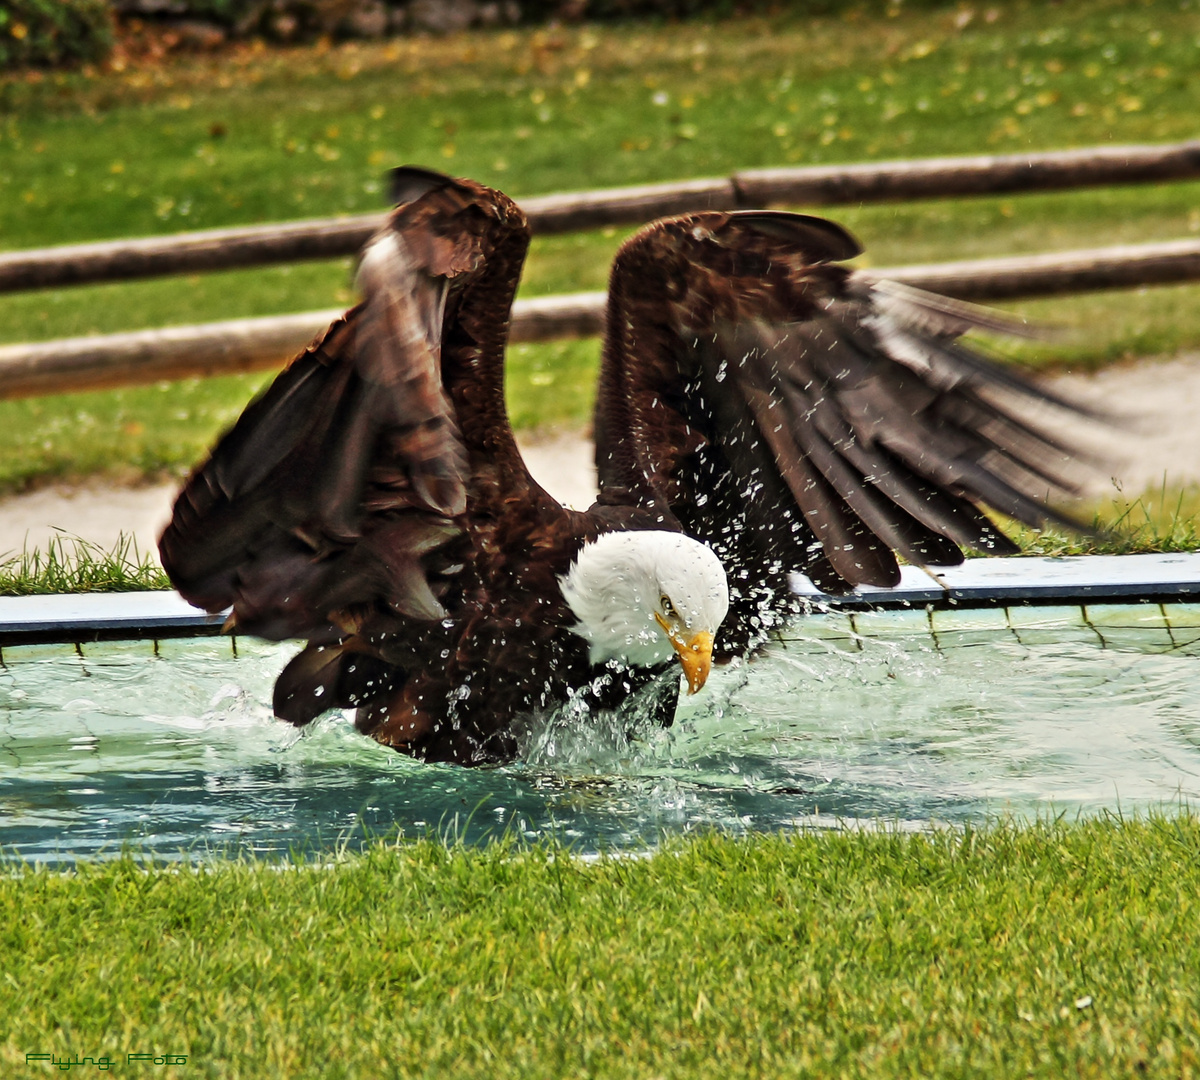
[825,185]
[250,344]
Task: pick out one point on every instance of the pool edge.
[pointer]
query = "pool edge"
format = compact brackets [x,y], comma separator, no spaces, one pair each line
[977,583]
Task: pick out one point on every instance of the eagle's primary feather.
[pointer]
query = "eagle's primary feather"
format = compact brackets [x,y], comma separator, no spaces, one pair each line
[754,397]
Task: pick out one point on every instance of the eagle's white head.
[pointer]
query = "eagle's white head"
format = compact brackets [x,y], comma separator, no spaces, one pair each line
[639,596]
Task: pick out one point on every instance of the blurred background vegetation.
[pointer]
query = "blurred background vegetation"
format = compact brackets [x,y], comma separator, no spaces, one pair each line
[56,32]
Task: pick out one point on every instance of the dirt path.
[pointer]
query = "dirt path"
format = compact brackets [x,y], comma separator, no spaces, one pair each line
[1165,396]
[1161,438]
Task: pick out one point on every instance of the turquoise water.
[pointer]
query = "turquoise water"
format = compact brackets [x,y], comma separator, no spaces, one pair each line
[909,718]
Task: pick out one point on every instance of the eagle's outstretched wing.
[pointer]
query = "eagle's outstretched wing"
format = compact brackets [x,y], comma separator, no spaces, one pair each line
[334,505]
[797,417]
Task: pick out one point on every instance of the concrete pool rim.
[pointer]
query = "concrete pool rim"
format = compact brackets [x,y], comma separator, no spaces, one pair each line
[978,583]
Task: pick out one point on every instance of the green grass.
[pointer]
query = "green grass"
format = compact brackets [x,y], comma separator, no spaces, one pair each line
[249,136]
[1166,520]
[252,136]
[70,564]
[1046,950]
[128,434]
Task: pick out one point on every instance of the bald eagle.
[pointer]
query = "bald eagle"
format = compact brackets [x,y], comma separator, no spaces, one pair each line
[760,411]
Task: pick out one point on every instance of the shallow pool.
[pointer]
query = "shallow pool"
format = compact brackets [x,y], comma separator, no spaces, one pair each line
[909,718]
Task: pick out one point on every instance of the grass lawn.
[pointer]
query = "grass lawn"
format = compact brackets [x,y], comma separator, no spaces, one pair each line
[1045,950]
[256,135]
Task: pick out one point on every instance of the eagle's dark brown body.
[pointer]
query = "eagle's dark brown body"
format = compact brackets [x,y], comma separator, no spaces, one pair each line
[373,500]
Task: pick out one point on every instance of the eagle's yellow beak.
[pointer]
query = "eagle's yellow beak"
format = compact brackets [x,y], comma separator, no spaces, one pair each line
[695,653]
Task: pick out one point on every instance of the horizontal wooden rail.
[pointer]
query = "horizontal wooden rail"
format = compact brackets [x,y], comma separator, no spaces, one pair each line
[298,241]
[260,245]
[1017,277]
[184,253]
[934,178]
[222,348]
[101,362]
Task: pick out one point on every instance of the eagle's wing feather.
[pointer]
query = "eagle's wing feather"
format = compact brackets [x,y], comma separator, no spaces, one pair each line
[798,417]
[319,508]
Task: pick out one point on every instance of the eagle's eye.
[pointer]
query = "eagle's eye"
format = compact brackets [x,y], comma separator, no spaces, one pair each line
[667,607]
